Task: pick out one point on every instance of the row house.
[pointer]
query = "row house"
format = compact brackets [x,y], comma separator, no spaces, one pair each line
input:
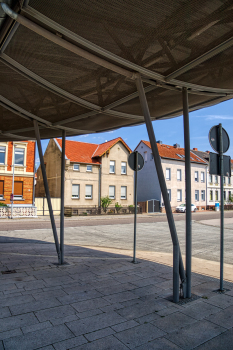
[17,163]
[213,182]
[173,164]
[92,171]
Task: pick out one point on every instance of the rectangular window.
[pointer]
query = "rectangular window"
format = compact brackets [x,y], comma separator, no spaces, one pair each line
[123,192]
[216,195]
[145,156]
[229,180]
[88,192]
[19,156]
[168,174]
[112,167]
[169,194]
[211,195]
[202,176]
[18,190]
[229,195]
[224,195]
[196,195]
[216,179]
[75,191]
[2,154]
[179,195]
[123,168]
[1,189]
[151,156]
[112,192]
[202,195]
[89,168]
[196,176]
[224,180]
[76,167]
[179,175]
[211,178]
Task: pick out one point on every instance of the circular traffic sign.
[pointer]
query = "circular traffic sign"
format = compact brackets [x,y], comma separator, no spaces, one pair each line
[132,161]
[214,139]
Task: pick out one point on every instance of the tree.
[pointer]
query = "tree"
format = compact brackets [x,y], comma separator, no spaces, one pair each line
[118,207]
[105,202]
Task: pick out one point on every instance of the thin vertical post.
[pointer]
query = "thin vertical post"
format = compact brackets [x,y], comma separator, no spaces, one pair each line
[13,181]
[222,207]
[135,206]
[178,267]
[62,197]
[188,193]
[46,186]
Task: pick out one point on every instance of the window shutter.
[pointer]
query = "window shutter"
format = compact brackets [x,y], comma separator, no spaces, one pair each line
[123,191]
[75,190]
[112,191]
[18,188]
[88,190]
[1,187]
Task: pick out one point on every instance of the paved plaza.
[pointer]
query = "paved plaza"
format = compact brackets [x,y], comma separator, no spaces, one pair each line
[100,300]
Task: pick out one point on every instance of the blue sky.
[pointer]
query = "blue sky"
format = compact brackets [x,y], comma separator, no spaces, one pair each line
[171,131]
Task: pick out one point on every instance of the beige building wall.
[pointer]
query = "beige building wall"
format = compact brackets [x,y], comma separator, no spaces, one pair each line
[117,153]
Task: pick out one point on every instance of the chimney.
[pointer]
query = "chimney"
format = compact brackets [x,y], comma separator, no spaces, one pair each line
[160,142]
[195,149]
[207,151]
[176,145]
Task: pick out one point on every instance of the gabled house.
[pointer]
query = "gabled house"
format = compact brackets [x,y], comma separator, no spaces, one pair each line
[92,171]
[173,164]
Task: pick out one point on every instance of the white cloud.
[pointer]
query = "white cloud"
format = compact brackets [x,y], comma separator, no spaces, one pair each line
[218,117]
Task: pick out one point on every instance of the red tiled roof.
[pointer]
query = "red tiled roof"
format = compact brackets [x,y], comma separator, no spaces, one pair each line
[167,151]
[104,147]
[83,152]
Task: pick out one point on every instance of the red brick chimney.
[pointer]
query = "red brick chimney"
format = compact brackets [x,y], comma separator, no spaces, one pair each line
[195,149]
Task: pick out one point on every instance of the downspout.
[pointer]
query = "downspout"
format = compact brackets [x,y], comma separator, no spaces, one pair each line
[99,201]
[34,186]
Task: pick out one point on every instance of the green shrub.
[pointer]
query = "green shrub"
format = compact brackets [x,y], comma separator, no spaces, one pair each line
[105,202]
[3,204]
[118,207]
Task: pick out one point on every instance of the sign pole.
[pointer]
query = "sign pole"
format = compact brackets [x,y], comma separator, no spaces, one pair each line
[135,207]
[222,206]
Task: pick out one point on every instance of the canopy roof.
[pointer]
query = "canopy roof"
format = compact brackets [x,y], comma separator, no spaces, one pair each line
[72,64]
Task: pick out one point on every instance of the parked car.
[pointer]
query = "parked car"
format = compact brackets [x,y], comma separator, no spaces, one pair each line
[182,208]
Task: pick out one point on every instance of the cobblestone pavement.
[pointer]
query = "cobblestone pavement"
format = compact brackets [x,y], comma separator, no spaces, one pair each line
[100,300]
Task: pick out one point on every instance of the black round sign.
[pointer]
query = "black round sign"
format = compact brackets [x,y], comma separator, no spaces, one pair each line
[132,161]
[214,139]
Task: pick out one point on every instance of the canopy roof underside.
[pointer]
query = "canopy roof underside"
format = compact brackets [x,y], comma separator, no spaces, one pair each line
[72,64]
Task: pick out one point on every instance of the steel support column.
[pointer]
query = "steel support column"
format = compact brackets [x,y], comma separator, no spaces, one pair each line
[46,186]
[188,192]
[178,267]
[62,197]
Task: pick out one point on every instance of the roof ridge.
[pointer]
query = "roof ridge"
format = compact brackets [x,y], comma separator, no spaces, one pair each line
[95,151]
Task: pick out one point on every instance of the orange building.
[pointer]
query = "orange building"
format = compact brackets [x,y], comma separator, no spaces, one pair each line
[17,160]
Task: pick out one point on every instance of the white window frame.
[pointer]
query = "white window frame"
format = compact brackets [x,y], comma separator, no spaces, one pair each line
[168,174]
[113,188]
[87,196]
[216,179]
[169,192]
[196,176]
[89,170]
[1,151]
[211,195]
[124,196]
[124,164]
[18,150]
[216,197]
[76,165]
[203,176]
[203,195]
[229,181]
[210,178]
[224,180]
[151,156]
[112,165]
[196,195]
[75,196]
[179,178]
[179,195]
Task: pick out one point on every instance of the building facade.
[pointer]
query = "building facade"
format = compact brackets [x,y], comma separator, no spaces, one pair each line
[173,164]
[92,171]
[17,161]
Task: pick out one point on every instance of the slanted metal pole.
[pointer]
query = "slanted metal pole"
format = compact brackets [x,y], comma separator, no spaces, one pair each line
[188,193]
[222,207]
[46,186]
[135,207]
[13,181]
[178,267]
[62,197]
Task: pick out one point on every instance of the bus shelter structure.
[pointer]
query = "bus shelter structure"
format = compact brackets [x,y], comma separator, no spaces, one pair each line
[75,67]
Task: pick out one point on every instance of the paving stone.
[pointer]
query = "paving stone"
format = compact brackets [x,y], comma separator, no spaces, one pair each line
[77,297]
[125,325]
[17,300]
[221,342]
[50,347]
[34,306]
[159,344]
[139,309]
[116,288]
[8,287]
[89,313]
[38,339]
[148,290]
[170,310]
[55,312]
[1,346]
[94,323]
[60,280]
[220,300]
[148,318]
[10,334]
[223,318]
[4,312]
[139,335]
[173,322]
[59,320]
[199,310]
[36,327]
[90,304]
[31,285]
[195,334]
[49,294]
[70,343]
[108,343]
[12,322]
[99,334]
[120,297]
